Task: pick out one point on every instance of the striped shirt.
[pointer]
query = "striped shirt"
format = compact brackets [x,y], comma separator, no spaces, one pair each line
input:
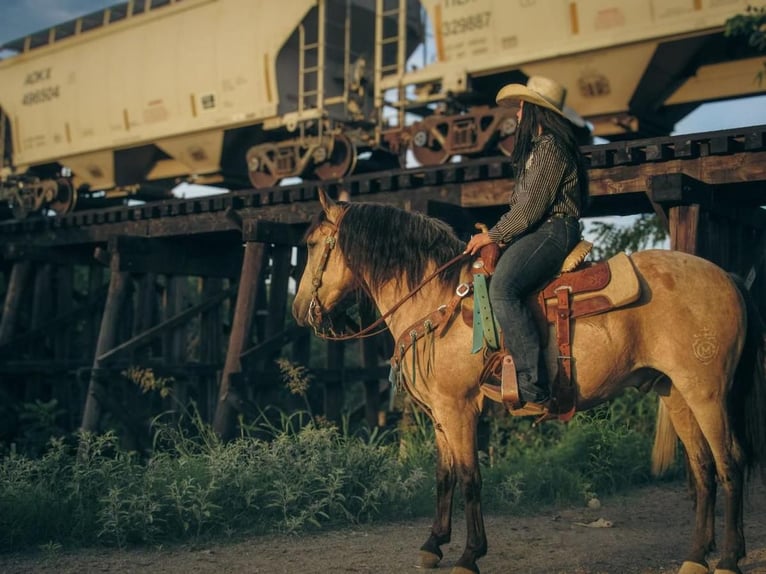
[547,185]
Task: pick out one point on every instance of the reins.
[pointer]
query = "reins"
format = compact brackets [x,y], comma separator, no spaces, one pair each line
[369,331]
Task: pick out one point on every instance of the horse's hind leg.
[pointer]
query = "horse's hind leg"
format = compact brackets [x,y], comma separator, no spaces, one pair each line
[729,462]
[709,412]
[702,469]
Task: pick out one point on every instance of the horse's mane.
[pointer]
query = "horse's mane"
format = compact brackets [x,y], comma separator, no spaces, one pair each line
[387,243]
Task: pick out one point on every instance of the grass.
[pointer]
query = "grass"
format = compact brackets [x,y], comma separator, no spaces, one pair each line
[291,473]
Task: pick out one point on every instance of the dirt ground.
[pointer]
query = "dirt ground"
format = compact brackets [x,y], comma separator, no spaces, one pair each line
[646,531]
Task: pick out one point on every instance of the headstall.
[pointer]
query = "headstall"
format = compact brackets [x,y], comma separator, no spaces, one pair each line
[317,315]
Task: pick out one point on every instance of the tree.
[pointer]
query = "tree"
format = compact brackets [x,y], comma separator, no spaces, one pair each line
[752,25]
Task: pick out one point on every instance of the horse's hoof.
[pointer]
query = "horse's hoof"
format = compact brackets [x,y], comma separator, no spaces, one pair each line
[689,567]
[428,560]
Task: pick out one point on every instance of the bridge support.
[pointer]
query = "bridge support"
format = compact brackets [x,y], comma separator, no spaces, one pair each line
[226,409]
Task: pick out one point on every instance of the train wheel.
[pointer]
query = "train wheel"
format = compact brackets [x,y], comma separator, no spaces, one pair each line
[341,162]
[263,179]
[428,146]
[259,170]
[65,199]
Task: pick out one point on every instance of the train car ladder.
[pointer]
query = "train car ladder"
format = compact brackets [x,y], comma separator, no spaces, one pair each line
[316,71]
[387,11]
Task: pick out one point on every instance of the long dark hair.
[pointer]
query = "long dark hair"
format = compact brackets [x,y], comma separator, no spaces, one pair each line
[536,117]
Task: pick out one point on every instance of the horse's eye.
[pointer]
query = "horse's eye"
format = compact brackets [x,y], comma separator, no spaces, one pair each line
[311,244]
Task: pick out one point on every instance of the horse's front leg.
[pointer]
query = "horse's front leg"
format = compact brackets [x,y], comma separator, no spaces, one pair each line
[441,530]
[458,460]
[476,540]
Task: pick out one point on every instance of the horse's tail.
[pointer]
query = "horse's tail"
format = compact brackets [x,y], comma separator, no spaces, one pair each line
[747,399]
[665,441]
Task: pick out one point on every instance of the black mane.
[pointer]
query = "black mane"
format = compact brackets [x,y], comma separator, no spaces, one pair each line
[388,243]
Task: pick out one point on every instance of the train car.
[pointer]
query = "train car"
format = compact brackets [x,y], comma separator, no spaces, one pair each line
[136,98]
[632,68]
[140,96]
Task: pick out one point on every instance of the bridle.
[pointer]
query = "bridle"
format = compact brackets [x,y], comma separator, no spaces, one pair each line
[317,315]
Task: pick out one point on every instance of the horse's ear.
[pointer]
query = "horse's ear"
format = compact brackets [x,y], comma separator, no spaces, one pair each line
[326,201]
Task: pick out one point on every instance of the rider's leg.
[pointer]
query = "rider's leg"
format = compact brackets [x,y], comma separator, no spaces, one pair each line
[524,266]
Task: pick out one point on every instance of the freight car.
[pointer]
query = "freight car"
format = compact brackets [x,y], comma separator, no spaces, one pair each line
[148,93]
[632,68]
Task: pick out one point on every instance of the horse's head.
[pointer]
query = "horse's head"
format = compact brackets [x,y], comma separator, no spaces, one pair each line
[327,279]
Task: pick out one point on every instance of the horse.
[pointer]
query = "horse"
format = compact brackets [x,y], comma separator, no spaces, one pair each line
[692,336]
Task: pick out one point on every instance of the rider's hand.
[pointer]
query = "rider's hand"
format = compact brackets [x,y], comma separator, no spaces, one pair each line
[477,242]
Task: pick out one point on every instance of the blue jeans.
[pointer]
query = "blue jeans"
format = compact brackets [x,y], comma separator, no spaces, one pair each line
[526,265]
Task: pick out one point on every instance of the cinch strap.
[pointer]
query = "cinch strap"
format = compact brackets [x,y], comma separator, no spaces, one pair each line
[484,326]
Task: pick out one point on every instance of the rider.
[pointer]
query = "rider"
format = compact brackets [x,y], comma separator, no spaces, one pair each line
[541,227]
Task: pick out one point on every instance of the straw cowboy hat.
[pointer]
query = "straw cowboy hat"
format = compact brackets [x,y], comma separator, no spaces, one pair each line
[541,91]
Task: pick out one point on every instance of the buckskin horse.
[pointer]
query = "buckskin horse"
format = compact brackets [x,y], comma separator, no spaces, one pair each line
[691,335]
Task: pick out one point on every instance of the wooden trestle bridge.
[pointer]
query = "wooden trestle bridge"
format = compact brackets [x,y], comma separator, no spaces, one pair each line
[198,289]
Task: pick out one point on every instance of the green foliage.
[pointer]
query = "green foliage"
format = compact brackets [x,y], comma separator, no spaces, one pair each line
[194,486]
[609,238]
[291,473]
[599,452]
[751,25]
[40,421]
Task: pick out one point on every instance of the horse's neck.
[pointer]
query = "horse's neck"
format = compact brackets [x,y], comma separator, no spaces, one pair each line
[427,299]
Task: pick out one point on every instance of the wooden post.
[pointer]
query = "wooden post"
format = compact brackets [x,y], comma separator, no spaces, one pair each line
[173,342]
[95,282]
[118,283]
[684,225]
[302,342]
[64,304]
[682,198]
[13,296]
[369,350]
[333,389]
[223,423]
[144,315]
[280,276]
[210,345]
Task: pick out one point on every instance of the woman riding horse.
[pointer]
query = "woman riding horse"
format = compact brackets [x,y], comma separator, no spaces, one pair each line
[541,228]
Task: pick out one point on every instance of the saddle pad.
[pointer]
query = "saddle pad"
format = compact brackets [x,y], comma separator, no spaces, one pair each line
[619,286]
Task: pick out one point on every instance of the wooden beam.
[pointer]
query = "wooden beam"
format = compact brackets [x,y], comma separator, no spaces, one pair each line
[223,423]
[167,256]
[713,170]
[17,285]
[166,326]
[274,232]
[106,339]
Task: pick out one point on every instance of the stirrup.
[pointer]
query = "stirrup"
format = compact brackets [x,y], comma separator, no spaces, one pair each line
[507,392]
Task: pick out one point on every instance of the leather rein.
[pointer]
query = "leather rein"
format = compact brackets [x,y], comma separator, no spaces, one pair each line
[316,311]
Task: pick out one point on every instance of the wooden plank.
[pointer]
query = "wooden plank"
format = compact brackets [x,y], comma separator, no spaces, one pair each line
[166,326]
[223,422]
[713,170]
[202,257]
[17,285]
[106,340]
[678,188]
[264,231]
[684,222]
